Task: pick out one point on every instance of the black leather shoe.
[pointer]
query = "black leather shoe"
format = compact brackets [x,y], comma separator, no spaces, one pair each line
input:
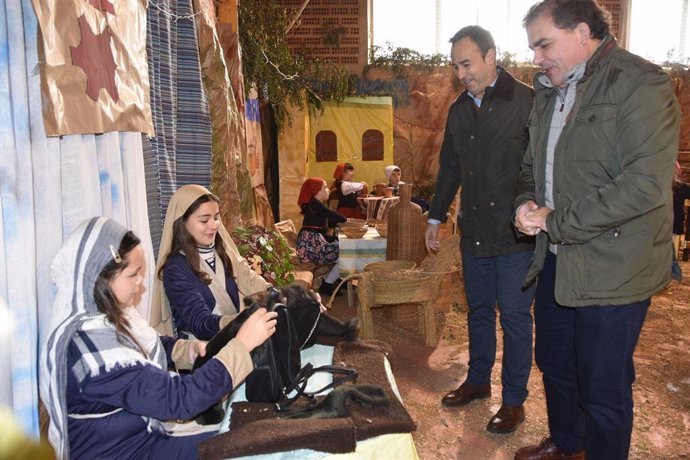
[506,419]
[465,393]
[547,450]
[327,289]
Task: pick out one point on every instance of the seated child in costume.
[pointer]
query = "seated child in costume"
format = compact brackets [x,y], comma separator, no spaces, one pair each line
[201,275]
[393,175]
[314,244]
[347,191]
[104,375]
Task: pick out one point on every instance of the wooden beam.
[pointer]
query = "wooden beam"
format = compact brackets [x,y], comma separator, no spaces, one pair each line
[299,13]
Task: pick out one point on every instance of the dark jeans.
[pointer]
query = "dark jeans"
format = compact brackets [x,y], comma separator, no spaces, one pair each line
[586,356]
[498,280]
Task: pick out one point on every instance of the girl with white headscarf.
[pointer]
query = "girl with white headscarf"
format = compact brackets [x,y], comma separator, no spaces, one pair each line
[104,371]
[393,177]
[201,275]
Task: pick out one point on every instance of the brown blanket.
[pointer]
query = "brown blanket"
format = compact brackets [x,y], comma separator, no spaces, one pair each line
[255,428]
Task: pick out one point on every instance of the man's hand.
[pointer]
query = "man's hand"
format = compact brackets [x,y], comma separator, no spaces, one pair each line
[431,238]
[530,219]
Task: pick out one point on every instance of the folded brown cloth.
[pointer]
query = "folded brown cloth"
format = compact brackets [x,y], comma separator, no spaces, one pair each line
[256,429]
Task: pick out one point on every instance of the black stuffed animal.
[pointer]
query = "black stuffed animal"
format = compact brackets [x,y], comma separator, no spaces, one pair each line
[306,318]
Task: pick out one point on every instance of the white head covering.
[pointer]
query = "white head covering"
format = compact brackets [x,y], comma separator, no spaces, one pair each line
[161,315]
[389,170]
[74,271]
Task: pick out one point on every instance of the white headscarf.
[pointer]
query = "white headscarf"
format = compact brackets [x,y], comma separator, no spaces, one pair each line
[389,170]
[74,270]
[248,282]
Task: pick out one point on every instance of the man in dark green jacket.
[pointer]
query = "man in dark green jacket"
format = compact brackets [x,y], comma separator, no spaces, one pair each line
[595,189]
[483,146]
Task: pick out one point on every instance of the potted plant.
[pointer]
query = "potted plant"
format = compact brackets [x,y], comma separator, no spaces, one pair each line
[266,252]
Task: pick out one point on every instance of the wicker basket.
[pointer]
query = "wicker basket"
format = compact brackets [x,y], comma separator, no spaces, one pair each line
[382,229]
[401,286]
[388,266]
[352,231]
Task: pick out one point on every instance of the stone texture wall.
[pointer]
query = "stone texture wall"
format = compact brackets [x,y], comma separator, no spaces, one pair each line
[334,31]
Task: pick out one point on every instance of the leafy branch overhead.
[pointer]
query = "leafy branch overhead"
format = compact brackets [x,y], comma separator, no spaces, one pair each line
[398,60]
[282,76]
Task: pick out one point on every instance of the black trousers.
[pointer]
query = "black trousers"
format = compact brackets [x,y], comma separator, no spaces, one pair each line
[681,222]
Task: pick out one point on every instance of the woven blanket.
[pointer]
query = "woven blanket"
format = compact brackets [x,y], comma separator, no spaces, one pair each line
[256,429]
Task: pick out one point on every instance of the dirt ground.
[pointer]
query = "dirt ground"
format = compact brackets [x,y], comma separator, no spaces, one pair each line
[424,375]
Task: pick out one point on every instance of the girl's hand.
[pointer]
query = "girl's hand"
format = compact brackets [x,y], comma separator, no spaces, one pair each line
[199,348]
[257,328]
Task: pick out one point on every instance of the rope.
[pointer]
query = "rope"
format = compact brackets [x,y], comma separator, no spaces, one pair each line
[167,12]
[337,288]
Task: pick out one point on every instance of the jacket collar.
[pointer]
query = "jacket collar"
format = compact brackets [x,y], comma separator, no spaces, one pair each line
[608,44]
[503,89]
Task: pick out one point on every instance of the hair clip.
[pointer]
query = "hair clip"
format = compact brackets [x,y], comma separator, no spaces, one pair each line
[116,255]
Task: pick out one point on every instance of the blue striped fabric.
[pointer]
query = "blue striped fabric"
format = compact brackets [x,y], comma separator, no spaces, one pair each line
[180,153]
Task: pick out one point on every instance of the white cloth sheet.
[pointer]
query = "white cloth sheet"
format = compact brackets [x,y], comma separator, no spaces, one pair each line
[355,253]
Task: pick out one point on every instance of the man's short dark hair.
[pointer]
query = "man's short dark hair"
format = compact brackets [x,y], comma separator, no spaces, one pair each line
[567,14]
[478,35]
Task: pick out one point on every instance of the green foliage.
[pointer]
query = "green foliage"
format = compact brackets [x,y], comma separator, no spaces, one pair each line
[332,33]
[506,59]
[398,60]
[281,76]
[675,68]
[267,253]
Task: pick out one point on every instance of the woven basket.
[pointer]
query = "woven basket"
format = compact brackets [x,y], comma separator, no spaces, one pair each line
[382,229]
[351,231]
[388,266]
[402,286]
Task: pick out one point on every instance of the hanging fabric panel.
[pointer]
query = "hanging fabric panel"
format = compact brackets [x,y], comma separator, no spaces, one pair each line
[180,153]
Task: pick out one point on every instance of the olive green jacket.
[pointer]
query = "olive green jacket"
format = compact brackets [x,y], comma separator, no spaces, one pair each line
[613,167]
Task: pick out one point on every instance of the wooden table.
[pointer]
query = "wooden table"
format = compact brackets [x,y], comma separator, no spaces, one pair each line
[355,253]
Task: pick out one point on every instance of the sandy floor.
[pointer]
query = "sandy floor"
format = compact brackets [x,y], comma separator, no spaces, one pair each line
[662,389]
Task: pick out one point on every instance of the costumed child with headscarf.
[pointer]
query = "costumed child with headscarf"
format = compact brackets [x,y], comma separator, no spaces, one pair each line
[201,276]
[314,244]
[393,175]
[347,191]
[104,371]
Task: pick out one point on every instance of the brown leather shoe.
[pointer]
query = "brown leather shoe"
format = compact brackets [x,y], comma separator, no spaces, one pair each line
[465,393]
[506,419]
[547,450]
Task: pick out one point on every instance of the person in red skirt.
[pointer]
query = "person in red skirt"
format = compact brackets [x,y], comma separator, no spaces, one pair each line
[347,191]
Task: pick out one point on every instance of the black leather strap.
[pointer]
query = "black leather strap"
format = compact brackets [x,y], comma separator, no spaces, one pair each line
[299,384]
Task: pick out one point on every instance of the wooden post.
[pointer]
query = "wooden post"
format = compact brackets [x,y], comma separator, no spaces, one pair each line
[365,295]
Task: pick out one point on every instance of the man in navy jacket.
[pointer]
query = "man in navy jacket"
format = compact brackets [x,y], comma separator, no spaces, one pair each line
[485,139]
